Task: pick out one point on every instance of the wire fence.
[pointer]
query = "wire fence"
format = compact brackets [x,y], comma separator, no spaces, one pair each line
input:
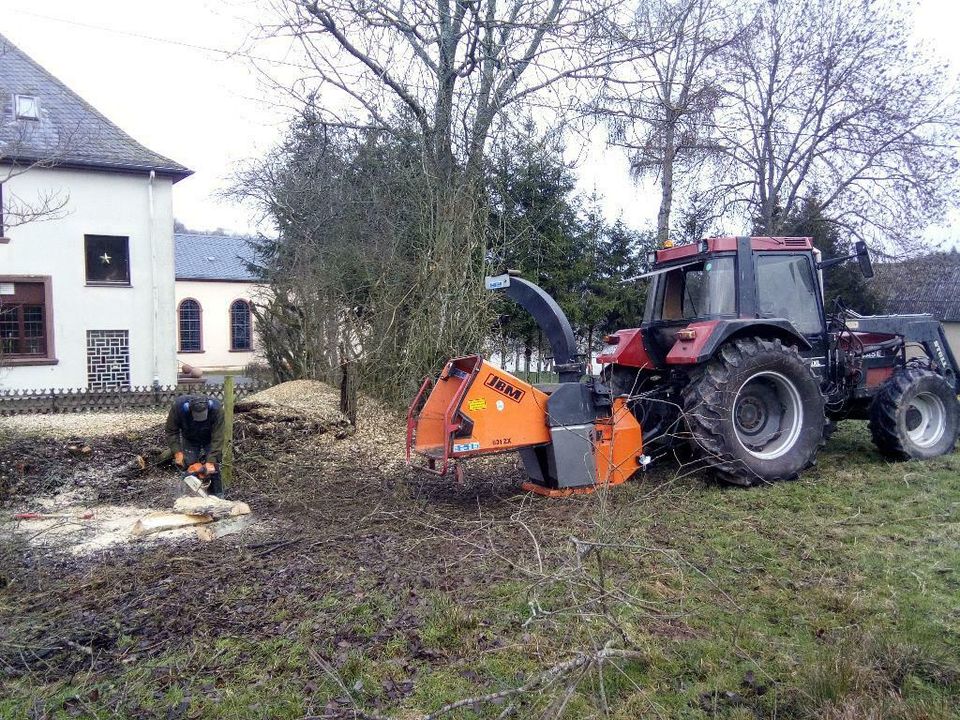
[145,397]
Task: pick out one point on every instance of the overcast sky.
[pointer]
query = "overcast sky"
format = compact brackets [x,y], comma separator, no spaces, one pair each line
[145,67]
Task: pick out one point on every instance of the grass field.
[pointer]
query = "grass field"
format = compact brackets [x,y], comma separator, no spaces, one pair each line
[835,596]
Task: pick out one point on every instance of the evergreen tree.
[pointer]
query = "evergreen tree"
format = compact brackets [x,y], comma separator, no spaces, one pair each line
[535,229]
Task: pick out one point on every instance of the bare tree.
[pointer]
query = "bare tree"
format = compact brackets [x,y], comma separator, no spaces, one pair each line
[445,74]
[831,95]
[17,209]
[24,147]
[661,104]
[452,66]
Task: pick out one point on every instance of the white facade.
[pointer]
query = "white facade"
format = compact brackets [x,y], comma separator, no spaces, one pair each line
[137,206]
[215,298]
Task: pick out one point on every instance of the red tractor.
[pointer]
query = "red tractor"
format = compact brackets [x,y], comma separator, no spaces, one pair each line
[736,358]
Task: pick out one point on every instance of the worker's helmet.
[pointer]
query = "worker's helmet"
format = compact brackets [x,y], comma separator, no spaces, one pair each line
[199,407]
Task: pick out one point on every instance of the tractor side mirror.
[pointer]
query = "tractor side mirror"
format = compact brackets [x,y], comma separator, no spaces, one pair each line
[863,259]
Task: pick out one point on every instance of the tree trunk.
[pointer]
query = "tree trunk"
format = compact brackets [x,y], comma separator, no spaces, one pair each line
[666,180]
[348,387]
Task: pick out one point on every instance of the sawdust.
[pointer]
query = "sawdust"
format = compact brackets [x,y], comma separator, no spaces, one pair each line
[74,534]
[109,528]
[83,425]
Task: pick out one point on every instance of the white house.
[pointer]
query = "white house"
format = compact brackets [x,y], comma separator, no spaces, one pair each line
[215,289]
[87,288]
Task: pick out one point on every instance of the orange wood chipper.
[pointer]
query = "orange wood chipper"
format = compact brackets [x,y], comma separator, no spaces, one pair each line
[573,436]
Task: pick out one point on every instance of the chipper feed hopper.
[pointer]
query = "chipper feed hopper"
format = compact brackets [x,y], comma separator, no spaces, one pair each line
[737,358]
[572,436]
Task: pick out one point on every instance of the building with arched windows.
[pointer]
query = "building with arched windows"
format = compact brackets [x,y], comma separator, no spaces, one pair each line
[215,291]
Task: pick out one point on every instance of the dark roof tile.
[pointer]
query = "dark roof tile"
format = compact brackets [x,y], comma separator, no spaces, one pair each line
[70,131]
[927,284]
[213,257]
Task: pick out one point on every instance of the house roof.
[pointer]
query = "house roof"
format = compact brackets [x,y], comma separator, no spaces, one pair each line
[69,132]
[927,284]
[213,257]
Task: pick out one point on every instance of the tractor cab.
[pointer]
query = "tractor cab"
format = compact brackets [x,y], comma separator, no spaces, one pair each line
[726,280]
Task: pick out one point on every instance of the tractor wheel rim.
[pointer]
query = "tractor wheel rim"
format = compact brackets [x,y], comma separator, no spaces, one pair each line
[768,415]
[925,419]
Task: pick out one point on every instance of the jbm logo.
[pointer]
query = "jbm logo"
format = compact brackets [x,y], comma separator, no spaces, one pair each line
[504,388]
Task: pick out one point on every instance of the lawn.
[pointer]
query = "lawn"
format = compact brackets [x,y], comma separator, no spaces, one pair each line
[834,596]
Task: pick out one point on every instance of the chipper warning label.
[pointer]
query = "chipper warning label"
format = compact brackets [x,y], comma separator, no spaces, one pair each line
[504,388]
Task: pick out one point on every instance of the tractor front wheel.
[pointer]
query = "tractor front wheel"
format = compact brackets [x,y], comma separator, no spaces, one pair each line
[755,412]
[915,416]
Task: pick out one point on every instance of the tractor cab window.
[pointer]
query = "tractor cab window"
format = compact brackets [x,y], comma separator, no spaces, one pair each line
[699,290]
[786,289]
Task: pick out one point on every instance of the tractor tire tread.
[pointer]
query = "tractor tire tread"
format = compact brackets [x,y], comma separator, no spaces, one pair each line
[704,409]
[884,425]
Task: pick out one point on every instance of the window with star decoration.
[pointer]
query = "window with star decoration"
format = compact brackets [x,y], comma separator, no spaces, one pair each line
[108,259]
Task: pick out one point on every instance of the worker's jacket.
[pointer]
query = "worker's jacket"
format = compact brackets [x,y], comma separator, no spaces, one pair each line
[182,429]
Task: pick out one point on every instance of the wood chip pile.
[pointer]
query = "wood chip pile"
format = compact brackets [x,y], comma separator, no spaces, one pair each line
[85,425]
[298,406]
[293,418]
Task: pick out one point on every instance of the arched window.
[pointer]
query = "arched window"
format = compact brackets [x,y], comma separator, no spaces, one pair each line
[191,329]
[241,326]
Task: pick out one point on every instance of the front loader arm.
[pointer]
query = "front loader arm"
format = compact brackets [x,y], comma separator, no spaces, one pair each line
[925,330]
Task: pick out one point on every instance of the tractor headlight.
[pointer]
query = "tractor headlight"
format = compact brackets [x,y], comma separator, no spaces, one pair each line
[610,343]
[651,257]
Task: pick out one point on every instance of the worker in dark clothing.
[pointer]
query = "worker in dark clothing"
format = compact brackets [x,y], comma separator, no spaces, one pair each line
[195,435]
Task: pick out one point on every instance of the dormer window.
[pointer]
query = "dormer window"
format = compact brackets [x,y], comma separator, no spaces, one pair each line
[27,107]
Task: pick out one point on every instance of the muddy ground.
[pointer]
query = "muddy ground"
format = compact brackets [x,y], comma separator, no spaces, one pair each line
[371,590]
[331,524]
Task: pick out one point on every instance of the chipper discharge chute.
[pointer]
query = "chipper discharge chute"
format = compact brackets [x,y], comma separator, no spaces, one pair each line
[572,436]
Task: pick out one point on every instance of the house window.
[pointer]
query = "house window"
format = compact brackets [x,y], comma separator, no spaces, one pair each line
[108,359]
[241,337]
[25,326]
[191,331]
[28,107]
[107,259]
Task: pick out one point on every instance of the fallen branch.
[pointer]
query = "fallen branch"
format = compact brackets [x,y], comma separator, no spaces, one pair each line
[582,662]
[210,505]
[227,526]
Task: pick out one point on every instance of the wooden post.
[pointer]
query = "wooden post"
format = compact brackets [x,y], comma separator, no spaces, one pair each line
[226,469]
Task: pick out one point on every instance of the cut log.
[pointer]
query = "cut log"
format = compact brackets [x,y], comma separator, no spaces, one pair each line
[210,505]
[227,526]
[159,521]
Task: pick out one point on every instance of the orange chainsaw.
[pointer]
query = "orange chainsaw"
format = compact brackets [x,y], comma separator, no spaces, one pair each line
[573,436]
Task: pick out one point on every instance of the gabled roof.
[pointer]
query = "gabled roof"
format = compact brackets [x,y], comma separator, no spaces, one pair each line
[213,257]
[70,131]
[927,284]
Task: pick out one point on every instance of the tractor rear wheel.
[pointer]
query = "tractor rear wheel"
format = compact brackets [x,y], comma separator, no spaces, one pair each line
[915,415]
[755,412]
